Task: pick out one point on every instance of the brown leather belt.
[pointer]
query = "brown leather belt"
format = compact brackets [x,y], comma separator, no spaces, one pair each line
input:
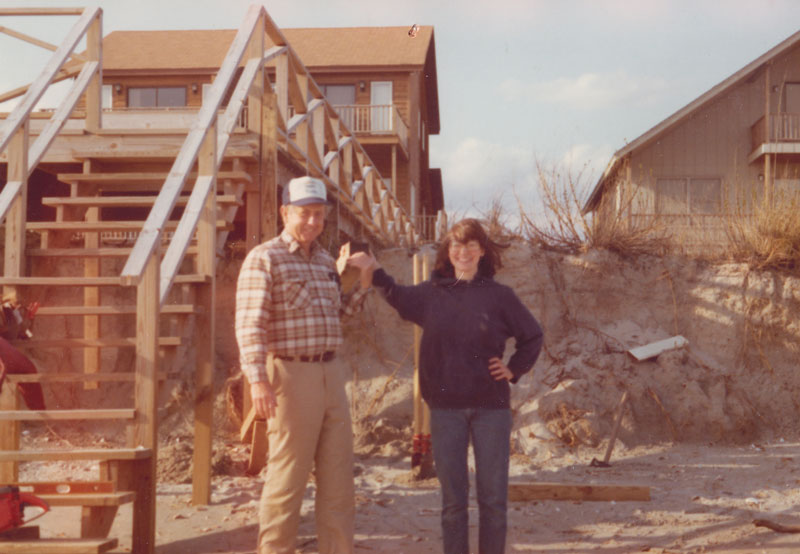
[324,357]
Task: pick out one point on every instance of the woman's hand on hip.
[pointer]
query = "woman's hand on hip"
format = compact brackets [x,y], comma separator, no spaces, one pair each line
[499,370]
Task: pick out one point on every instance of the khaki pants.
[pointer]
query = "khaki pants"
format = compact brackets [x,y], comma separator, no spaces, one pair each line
[312,427]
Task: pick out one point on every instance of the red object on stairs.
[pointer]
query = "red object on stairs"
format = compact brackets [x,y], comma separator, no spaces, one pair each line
[12,507]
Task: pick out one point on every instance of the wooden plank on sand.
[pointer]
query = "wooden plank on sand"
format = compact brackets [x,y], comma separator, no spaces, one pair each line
[574,491]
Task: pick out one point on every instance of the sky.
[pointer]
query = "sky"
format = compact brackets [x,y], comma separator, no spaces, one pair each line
[562,83]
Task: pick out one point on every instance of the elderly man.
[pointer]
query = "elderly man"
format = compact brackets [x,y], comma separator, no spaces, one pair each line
[288,309]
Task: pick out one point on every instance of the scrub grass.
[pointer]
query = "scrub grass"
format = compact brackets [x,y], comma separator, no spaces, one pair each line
[768,238]
[563,226]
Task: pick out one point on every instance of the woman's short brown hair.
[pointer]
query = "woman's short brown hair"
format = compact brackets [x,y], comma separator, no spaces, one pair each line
[463,232]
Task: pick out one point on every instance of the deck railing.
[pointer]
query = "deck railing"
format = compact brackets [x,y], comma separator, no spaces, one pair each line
[783,127]
[375,119]
[689,230]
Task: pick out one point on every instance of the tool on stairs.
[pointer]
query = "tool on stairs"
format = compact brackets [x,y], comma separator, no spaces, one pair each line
[12,508]
[617,421]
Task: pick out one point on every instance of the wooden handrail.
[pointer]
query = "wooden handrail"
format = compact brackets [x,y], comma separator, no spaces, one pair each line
[21,112]
[150,234]
[36,42]
[63,74]
[61,114]
[183,234]
[41,11]
[7,197]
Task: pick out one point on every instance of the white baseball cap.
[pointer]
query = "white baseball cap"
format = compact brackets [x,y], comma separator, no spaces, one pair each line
[301,191]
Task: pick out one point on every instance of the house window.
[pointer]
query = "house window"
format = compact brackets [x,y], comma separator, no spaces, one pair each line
[688,196]
[340,95]
[342,98]
[156,97]
[791,102]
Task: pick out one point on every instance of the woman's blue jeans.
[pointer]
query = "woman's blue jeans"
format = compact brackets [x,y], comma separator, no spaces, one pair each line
[489,431]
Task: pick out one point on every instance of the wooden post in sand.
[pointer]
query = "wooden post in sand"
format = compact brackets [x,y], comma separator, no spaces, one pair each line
[422,455]
[416,448]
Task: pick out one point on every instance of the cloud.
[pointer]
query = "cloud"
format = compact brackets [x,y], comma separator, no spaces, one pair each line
[588,160]
[476,172]
[589,91]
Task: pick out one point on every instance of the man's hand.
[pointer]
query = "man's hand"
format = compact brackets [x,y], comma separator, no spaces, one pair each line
[499,370]
[263,399]
[367,264]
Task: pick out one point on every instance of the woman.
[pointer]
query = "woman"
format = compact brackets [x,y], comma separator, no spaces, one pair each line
[466,318]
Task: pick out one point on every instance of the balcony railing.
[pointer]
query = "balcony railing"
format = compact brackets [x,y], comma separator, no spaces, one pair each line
[375,119]
[783,127]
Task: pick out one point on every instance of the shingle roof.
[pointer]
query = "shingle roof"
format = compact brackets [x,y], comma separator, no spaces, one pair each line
[320,47]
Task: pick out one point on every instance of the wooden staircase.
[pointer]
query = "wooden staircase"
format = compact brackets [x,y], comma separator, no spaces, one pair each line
[127,263]
[74,270]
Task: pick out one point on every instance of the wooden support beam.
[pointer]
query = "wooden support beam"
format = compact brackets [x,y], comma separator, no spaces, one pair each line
[268,166]
[144,430]
[94,96]
[41,11]
[16,215]
[255,50]
[96,521]
[768,178]
[204,333]
[37,42]
[91,295]
[9,435]
[282,84]
[520,492]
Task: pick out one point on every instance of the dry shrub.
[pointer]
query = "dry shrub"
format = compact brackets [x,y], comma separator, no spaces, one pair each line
[566,227]
[571,426]
[497,223]
[769,237]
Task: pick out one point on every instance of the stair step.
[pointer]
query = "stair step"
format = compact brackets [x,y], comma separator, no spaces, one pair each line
[98,226]
[89,343]
[52,415]
[75,377]
[116,498]
[125,201]
[94,454]
[87,252]
[171,309]
[63,487]
[90,281]
[59,546]
[154,154]
[141,177]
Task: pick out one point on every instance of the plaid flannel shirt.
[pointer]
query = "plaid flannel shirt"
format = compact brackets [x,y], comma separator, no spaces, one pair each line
[289,304]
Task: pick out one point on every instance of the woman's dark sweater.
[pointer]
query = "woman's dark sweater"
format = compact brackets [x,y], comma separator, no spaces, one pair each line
[464,324]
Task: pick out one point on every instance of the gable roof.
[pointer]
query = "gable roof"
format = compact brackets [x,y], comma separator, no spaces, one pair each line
[741,75]
[320,47]
[330,48]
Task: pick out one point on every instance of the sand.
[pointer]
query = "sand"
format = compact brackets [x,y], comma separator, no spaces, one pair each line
[710,428]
